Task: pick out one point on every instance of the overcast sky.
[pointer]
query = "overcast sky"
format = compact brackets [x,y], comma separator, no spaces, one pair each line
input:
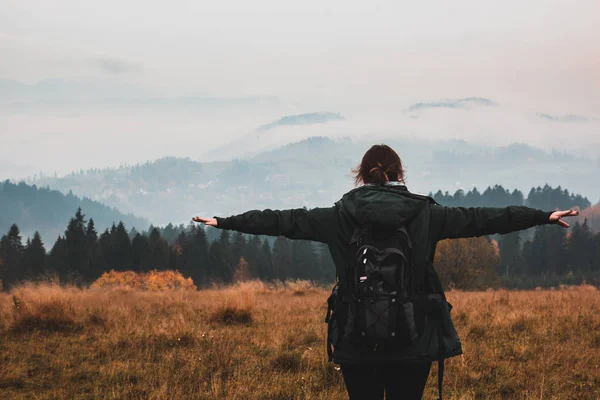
[357,57]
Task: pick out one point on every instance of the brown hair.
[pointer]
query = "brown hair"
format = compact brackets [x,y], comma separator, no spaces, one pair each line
[379,165]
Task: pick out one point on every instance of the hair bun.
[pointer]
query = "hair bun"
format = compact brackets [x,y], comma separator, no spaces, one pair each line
[379,173]
[378,165]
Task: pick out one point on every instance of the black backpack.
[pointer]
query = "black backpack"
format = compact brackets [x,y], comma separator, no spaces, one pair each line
[387,306]
[382,284]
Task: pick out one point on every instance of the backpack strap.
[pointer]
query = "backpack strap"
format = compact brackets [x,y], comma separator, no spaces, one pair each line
[440,376]
[442,356]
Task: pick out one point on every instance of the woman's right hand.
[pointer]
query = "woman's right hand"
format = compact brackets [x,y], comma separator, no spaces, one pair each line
[206,221]
[557,216]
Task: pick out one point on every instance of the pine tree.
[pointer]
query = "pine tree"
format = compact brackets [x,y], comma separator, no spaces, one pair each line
[76,247]
[106,250]
[326,264]
[305,265]
[472,198]
[132,233]
[265,262]
[228,262]
[516,198]
[93,261]
[596,255]
[180,253]
[140,253]
[11,252]
[192,254]
[283,260]
[159,251]
[511,259]
[215,261]
[580,248]
[458,198]
[238,247]
[59,258]
[556,249]
[535,254]
[34,258]
[252,256]
[3,265]
[199,272]
[122,248]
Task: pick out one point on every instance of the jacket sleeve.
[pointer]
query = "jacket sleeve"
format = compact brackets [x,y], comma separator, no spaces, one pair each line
[461,222]
[316,224]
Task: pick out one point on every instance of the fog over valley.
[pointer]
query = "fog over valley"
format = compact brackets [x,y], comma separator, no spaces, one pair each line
[214,108]
[51,135]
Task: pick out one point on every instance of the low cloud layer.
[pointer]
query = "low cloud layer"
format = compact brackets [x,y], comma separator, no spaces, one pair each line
[563,118]
[457,103]
[115,66]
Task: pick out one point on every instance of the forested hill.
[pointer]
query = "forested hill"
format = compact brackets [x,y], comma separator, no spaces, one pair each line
[44,210]
[315,172]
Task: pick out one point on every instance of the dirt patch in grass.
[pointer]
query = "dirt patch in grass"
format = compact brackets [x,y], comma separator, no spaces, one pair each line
[232,316]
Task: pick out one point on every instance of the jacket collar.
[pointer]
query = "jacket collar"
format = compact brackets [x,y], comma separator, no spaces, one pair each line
[397,184]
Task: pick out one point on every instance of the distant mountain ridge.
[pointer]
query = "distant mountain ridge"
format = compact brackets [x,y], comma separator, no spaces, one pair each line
[48,211]
[285,130]
[316,172]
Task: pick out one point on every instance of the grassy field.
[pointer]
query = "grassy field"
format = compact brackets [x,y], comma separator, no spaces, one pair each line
[254,341]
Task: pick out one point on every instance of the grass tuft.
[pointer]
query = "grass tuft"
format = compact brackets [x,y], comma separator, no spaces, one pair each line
[232,316]
[288,361]
[52,317]
[521,325]
[477,332]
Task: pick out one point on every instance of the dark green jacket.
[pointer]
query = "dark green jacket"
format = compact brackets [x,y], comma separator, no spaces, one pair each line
[427,222]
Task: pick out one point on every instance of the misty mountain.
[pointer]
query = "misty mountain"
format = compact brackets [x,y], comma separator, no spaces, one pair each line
[457,103]
[563,118]
[302,119]
[48,211]
[316,172]
[288,129]
[15,171]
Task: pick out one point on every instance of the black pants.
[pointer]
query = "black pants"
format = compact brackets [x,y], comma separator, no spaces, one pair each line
[398,381]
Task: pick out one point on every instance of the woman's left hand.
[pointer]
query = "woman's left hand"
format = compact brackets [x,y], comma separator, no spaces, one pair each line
[206,221]
[557,215]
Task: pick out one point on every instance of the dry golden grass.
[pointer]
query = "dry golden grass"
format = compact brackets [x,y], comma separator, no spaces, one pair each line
[255,341]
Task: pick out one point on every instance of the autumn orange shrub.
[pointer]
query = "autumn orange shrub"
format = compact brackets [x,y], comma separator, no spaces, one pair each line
[153,280]
[467,263]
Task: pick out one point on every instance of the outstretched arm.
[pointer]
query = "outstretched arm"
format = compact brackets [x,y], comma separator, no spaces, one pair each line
[457,222]
[317,224]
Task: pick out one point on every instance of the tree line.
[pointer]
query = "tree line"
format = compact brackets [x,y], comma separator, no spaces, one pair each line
[544,198]
[44,210]
[82,255]
[543,256]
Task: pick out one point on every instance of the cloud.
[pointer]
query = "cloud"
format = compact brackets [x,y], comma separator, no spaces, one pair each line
[115,66]
[303,119]
[563,118]
[454,103]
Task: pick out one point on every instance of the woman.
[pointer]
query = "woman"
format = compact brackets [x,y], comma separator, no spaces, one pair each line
[383,200]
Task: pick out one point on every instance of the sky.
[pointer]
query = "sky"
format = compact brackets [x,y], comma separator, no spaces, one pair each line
[368,60]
